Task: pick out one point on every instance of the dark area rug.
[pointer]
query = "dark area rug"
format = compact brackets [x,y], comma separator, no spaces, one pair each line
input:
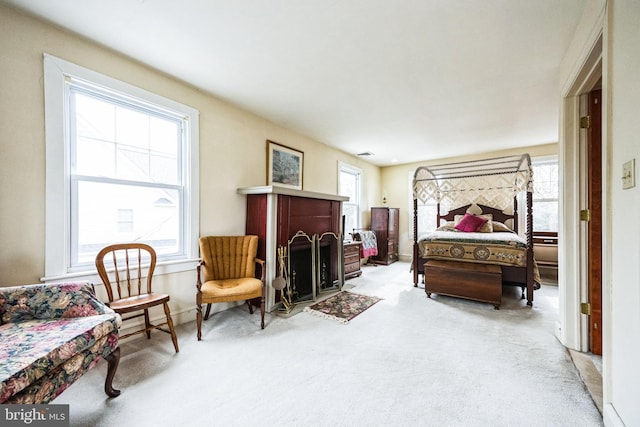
[342,306]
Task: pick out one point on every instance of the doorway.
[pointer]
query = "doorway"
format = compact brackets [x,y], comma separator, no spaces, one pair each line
[583,257]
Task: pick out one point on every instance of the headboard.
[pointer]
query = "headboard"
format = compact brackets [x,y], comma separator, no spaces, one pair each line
[497,214]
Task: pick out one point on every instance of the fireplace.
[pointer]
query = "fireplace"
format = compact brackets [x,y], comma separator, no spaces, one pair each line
[304,225]
[310,266]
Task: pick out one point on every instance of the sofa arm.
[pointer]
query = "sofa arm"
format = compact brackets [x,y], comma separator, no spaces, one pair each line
[49,301]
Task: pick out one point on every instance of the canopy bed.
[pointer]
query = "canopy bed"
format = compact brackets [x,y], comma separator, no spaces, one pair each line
[476,247]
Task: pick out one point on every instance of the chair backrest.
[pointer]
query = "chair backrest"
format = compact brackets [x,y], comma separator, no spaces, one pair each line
[125,267]
[228,257]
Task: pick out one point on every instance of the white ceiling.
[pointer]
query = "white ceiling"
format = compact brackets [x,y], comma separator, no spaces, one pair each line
[405,80]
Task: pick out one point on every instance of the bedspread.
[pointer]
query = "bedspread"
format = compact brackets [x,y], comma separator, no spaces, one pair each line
[501,248]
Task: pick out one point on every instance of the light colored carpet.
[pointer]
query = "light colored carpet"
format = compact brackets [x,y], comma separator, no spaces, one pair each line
[406,361]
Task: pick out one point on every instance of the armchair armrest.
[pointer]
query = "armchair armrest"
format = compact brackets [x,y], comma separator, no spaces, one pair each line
[262,264]
[199,270]
[50,301]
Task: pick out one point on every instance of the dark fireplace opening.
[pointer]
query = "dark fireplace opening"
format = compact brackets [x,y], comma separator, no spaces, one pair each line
[302,271]
[326,275]
[301,274]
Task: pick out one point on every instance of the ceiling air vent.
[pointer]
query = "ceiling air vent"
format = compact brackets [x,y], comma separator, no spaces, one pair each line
[365,154]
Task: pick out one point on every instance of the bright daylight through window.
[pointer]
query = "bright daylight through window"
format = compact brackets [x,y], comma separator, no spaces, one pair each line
[426,213]
[545,194]
[349,185]
[124,161]
[129,168]
[545,199]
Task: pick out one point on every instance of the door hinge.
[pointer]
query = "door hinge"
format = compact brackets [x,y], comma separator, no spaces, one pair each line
[585,308]
[585,215]
[585,122]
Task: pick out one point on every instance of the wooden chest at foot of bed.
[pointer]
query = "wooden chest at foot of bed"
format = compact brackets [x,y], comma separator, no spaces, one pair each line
[478,282]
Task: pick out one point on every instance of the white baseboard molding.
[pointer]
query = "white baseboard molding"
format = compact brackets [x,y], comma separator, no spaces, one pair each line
[610,417]
[558,333]
[183,316]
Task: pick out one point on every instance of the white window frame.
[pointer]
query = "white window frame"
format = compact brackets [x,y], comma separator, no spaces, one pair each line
[541,160]
[347,168]
[58,189]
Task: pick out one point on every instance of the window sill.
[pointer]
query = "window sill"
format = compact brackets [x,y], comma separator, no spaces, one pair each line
[166,267]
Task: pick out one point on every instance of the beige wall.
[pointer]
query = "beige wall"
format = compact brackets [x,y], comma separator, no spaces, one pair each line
[232,149]
[395,185]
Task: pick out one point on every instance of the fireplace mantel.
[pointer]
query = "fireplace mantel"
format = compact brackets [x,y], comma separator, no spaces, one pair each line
[272,189]
[275,214]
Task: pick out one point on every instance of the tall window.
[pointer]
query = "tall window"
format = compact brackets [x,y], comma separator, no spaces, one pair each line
[545,194]
[121,167]
[426,214]
[349,184]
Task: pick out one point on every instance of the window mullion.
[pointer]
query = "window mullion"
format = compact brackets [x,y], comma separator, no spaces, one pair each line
[106,180]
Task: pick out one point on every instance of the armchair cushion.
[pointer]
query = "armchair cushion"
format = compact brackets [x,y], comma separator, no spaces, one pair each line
[231,290]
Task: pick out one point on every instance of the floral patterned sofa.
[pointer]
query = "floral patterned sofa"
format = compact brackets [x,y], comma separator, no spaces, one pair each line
[50,334]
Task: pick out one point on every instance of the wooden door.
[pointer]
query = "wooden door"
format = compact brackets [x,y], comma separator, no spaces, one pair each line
[594,242]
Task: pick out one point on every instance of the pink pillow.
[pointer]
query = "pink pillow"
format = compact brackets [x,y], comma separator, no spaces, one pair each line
[470,223]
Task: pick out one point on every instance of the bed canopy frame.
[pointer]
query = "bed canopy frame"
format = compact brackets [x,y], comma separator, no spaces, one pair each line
[492,184]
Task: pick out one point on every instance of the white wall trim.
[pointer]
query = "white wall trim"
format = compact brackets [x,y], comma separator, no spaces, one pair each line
[583,66]
[568,226]
[179,317]
[57,198]
[347,167]
[585,62]
[165,267]
[610,416]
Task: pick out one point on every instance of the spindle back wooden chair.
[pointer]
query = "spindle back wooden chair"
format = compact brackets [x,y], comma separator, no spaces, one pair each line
[128,269]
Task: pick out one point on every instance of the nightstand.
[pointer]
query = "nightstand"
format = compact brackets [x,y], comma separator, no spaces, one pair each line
[352,260]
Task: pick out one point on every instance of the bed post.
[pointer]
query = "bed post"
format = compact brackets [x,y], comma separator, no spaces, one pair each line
[415,243]
[530,261]
[516,221]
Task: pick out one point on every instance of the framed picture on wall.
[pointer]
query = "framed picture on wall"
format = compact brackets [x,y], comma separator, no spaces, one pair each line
[284,166]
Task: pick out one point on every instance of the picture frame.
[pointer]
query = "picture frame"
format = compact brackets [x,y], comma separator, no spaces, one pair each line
[284,166]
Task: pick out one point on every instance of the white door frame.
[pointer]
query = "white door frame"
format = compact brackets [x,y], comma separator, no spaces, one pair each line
[571,329]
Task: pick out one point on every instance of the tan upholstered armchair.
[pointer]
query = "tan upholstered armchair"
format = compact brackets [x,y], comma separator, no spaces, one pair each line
[227,273]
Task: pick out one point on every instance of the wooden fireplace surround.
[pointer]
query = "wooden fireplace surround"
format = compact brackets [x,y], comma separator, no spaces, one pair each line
[275,214]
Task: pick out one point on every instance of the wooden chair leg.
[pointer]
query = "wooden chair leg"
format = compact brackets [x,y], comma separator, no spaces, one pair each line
[250,306]
[147,323]
[262,311]
[174,338]
[112,360]
[199,320]
[206,315]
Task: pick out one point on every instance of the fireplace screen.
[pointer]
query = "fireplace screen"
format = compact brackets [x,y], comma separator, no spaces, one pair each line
[310,265]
